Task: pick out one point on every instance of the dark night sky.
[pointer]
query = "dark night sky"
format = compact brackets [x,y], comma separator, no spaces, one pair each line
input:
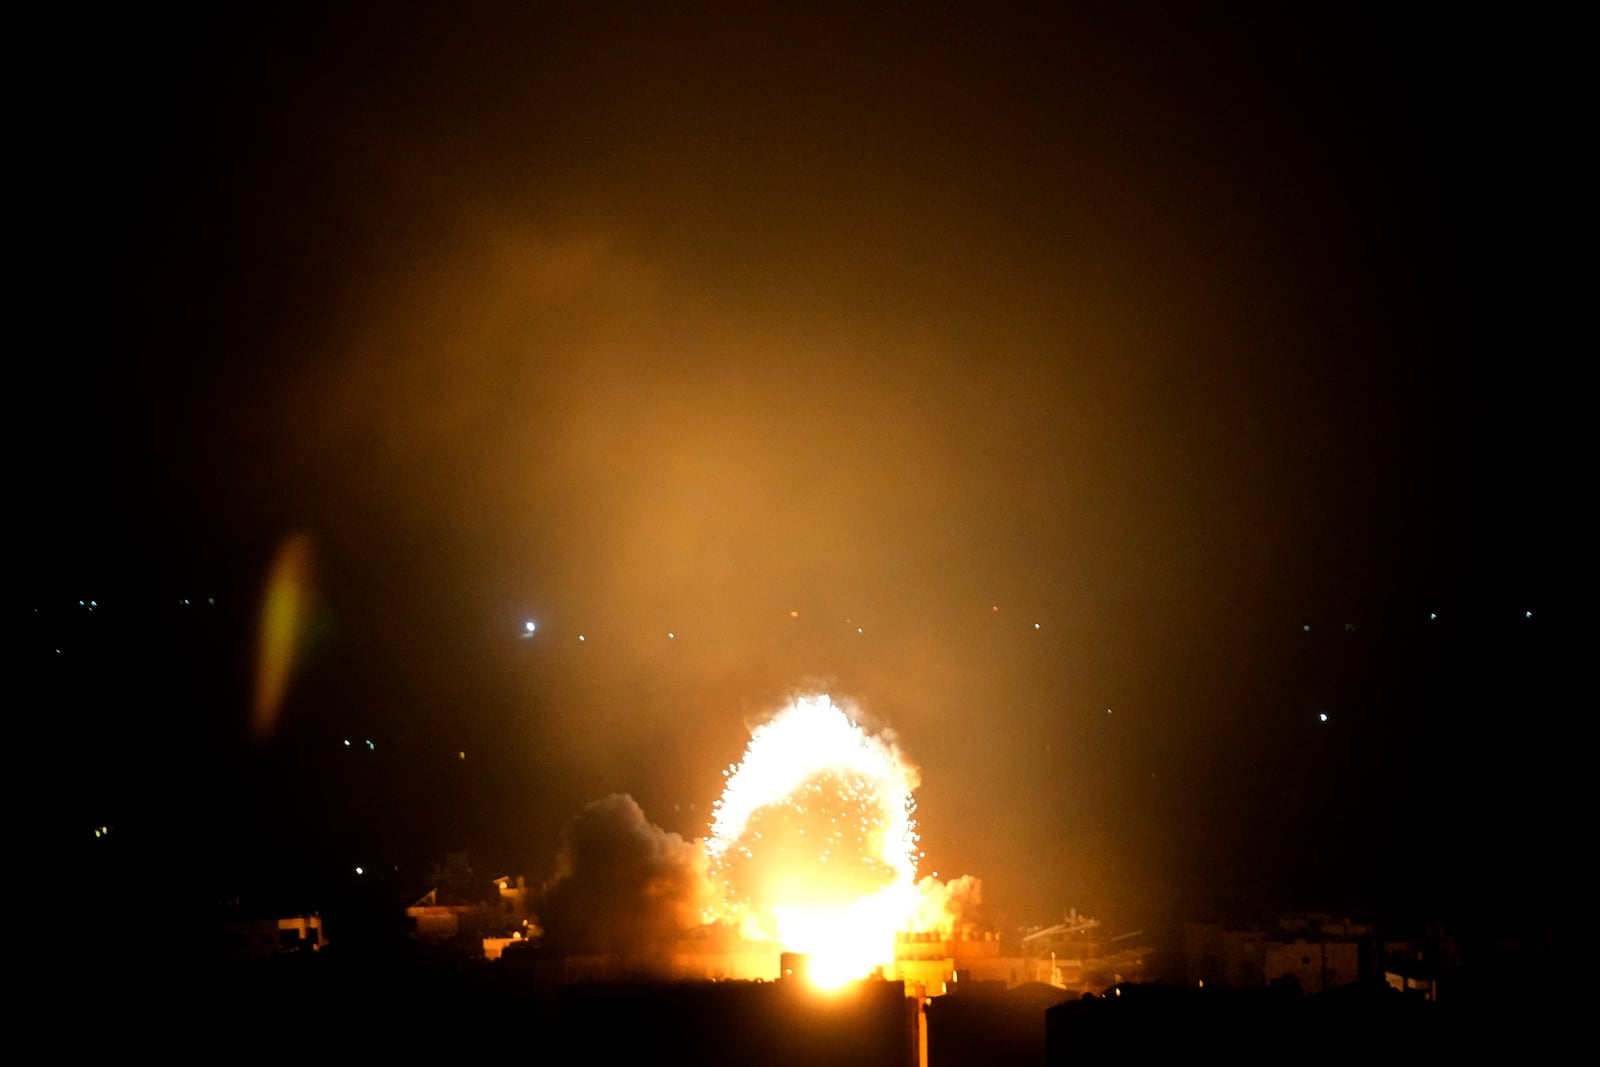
[1174,333]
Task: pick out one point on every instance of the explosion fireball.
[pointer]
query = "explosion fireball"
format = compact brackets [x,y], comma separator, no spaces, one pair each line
[814,843]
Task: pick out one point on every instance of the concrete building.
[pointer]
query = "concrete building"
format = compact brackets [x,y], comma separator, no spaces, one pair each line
[458,908]
[1315,951]
[261,938]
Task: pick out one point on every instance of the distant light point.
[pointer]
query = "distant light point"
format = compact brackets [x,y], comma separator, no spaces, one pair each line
[1035,626]
[794,614]
[671,636]
[360,871]
[347,742]
[1527,614]
[529,627]
[1306,628]
[461,755]
[580,637]
[370,746]
[1432,615]
[1322,716]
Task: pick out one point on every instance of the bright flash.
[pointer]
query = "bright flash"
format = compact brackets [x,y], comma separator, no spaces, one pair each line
[814,842]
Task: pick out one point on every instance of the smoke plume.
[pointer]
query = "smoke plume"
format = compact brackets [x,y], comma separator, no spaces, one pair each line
[949,908]
[622,884]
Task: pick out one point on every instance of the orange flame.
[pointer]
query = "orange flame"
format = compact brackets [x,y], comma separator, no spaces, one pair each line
[814,841]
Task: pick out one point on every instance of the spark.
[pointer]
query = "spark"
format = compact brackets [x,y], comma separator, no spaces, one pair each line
[815,788]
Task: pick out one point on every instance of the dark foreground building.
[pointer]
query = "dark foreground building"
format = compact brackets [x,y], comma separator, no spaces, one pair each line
[782,1023]
[1280,1026]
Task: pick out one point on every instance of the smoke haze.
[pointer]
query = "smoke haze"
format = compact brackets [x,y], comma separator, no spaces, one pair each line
[1097,395]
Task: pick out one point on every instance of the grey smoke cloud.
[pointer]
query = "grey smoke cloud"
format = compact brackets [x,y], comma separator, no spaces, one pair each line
[622,884]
